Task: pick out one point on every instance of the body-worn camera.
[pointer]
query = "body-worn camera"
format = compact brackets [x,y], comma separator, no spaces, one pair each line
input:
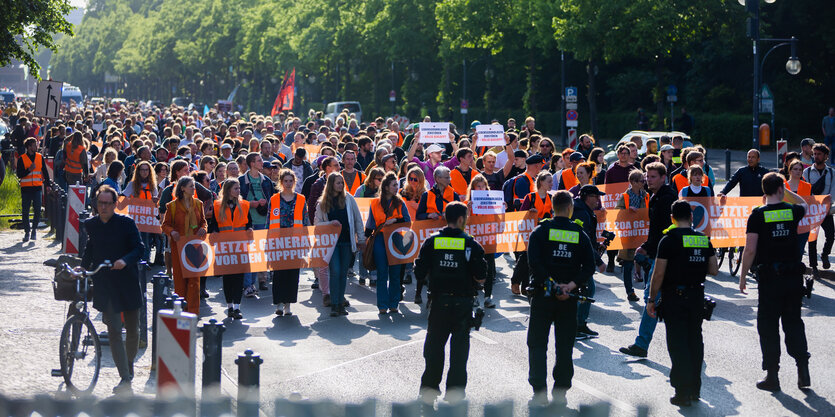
[477,318]
[709,305]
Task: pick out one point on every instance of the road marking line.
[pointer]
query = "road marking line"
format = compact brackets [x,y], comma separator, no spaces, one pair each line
[484,339]
[360,358]
[626,407]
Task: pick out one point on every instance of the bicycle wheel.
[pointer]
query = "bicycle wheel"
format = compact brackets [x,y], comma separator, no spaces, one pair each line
[734,262]
[80,354]
[721,256]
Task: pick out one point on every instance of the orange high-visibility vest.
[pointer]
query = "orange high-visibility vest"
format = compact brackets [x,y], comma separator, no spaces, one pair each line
[543,208]
[432,200]
[380,214]
[146,194]
[34,178]
[73,159]
[569,179]
[458,182]
[626,200]
[358,180]
[680,182]
[531,185]
[275,211]
[229,224]
[803,188]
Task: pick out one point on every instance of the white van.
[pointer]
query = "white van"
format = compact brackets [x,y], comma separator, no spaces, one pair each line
[332,110]
[70,92]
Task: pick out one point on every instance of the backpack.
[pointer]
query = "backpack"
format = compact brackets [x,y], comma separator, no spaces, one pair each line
[507,190]
[820,184]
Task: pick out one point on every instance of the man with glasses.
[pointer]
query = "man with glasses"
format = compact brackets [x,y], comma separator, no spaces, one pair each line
[115,238]
[619,172]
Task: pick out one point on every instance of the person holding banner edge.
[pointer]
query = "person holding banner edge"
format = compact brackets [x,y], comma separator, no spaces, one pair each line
[287,209]
[183,218]
[385,210]
[232,214]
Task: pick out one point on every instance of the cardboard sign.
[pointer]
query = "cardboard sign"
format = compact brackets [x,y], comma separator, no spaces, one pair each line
[434,132]
[613,192]
[490,135]
[631,228]
[496,233]
[488,202]
[144,212]
[256,251]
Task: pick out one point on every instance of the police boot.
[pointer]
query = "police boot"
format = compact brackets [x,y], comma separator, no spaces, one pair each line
[804,380]
[771,382]
[680,399]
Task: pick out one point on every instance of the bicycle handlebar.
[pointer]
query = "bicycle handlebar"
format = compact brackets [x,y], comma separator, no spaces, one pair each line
[86,273]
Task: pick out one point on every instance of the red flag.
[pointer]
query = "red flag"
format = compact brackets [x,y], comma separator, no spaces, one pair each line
[287,92]
[277,103]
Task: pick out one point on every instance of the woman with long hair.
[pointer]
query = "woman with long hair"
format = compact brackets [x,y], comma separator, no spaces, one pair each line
[336,207]
[371,187]
[115,172]
[232,215]
[797,185]
[584,173]
[479,183]
[415,185]
[292,212]
[538,202]
[387,209]
[600,166]
[184,218]
[144,186]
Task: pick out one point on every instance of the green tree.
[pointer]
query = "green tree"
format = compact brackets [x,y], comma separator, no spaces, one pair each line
[30,25]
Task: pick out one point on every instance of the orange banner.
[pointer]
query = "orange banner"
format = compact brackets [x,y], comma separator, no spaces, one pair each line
[613,193]
[144,212]
[257,251]
[497,233]
[631,227]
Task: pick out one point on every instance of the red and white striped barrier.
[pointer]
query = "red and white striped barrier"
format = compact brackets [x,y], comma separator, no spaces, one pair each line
[176,340]
[76,200]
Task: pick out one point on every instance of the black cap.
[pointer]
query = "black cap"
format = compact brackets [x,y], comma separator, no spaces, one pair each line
[589,189]
[520,154]
[534,159]
[576,157]
[268,165]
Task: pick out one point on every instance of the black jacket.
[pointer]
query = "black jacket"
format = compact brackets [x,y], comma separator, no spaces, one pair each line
[543,264]
[474,268]
[586,215]
[114,291]
[660,208]
[749,180]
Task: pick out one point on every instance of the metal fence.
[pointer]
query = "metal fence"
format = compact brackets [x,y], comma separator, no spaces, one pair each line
[47,406]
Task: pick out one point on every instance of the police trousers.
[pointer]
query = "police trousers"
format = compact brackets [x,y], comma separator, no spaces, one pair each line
[449,319]
[683,312]
[780,298]
[547,311]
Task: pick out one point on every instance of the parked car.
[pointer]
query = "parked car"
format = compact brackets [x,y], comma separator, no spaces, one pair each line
[7,95]
[181,101]
[97,100]
[333,109]
[611,157]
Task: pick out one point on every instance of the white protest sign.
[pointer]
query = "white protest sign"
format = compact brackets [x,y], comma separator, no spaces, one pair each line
[490,135]
[434,132]
[488,202]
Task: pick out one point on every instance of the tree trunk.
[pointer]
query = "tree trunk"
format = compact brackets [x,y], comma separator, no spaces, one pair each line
[529,100]
[592,97]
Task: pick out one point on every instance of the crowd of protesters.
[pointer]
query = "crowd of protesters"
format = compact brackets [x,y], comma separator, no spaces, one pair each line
[227,171]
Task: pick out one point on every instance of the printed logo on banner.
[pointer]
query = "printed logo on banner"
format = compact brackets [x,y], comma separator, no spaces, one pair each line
[700,217]
[402,243]
[196,255]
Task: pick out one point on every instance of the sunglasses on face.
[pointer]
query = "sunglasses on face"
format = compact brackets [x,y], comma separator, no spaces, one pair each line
[413,179]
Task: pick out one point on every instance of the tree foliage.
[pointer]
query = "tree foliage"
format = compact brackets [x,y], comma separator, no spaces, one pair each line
[29,26]
[621,53]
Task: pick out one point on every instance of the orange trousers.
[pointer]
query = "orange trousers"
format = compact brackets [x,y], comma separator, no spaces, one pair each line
[188,288]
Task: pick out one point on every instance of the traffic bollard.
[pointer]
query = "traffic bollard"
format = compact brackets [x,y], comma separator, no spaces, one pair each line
[182,302]
[502,409]
[82,232]
[212,354]
[143,310]
[249,395]
[411,409]
[162,288]
[366,409]
[727,164]
[176,342]
[215,406]
[456,409]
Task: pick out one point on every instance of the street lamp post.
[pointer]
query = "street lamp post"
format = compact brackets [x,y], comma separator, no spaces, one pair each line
[792,66]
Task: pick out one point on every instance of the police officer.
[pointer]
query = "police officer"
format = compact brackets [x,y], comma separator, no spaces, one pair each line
[771,248]
[685,256]
[452,262]
[584,206]
[561,260]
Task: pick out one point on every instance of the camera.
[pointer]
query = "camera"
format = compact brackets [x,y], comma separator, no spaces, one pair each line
[709,305]
[551,289]
[607,239]
[477,318]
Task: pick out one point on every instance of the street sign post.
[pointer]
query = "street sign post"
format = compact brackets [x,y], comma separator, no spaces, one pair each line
[48,99]
[464,106]
[392,96]
[766,100]
[571,117]
[672,98]
[570,94]
[782,149]
[572,138]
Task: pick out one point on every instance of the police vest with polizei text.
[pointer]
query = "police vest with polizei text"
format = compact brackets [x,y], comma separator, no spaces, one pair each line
[450,274]
[564,249]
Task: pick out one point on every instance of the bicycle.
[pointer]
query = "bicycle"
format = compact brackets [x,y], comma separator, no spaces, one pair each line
[79,348]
